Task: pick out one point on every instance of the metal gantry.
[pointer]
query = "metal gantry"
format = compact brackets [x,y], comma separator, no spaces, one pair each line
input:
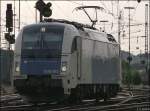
[149,45]
[19,15]
[129,57]
[146,37]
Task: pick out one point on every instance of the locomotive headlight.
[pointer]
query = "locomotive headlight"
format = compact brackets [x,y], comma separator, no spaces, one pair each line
[64,68]
[17,68]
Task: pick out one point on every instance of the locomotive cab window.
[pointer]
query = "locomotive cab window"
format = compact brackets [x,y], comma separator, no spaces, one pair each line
[42,41]
[74,45]
[31,38]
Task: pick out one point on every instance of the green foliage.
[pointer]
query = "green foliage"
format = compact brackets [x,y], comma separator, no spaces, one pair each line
[130,75]
[136,78]
[126,73]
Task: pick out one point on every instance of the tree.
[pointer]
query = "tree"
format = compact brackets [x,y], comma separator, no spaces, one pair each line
[136,78]
[130,75]
[126,71]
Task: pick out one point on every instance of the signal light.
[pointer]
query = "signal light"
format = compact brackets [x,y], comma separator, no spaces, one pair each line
[129,58]
[40,5]
[10,38]
[138,1]
[43,8]
[47,11]
[9,17]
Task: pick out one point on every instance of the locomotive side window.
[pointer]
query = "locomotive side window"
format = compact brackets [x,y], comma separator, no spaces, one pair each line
[74,45]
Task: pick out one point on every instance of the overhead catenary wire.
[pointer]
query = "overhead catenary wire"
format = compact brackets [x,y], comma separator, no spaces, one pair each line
[75,2]
[63,12]
[30,9]
[135,10]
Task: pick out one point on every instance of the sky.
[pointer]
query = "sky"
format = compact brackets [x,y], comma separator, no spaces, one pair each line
[66,10]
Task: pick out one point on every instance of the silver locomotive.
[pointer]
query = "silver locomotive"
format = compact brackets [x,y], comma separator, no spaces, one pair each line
[61,59]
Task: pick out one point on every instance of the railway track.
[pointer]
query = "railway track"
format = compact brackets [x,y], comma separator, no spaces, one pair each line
[126,100]
[134,103]
[11,99]
[116,107]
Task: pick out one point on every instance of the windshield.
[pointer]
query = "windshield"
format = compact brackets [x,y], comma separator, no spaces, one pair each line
[31,37]
[42,41]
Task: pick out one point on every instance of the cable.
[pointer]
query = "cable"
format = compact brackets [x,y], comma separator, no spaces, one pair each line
[75,2]
[104,6]
[30,8]
[135,10]
[60,9]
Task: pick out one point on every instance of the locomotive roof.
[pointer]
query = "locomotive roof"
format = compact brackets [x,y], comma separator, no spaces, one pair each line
[45,24]
[96,35]
[88,31]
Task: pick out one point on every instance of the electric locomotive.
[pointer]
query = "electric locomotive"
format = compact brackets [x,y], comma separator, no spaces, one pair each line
[59,59]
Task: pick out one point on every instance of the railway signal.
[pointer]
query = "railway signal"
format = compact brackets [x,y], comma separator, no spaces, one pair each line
[39,5]
[47,11]
[10,38]
[138,1]
[9,18]
[43,8]
[9,25]
[129,58]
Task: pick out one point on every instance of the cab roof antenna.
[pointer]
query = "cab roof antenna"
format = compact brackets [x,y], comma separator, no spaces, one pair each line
[90,7]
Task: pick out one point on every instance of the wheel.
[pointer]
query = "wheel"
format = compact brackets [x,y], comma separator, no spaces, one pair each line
[75,97]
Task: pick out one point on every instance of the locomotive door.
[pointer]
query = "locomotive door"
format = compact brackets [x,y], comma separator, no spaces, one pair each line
[79,52]
[76,49]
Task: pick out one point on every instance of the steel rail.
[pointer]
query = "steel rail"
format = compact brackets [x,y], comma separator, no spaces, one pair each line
[129,107]
[14,108]
[100,107]
[111,107]
[87,106]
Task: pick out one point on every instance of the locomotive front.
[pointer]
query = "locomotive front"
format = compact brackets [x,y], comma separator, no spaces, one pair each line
[37,58]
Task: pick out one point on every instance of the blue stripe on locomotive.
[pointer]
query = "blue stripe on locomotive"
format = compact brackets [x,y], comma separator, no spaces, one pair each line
[40,66]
